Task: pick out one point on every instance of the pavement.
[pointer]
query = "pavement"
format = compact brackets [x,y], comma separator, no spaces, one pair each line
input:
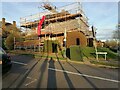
[29,72]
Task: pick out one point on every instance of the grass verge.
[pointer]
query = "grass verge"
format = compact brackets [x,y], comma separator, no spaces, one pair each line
[89,52]
[106,63]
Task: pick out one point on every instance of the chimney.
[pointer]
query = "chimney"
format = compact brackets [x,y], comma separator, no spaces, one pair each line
[14,23]
[3,22]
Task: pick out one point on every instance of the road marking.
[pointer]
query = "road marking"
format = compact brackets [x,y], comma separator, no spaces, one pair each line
[0,61]
[30,82]
[19,63]
[85,75]
[29,77]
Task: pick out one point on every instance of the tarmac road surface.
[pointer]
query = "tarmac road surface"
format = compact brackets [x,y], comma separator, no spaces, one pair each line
[28,72]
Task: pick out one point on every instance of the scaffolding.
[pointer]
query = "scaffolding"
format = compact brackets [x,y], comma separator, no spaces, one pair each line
[70,18]
[66,13]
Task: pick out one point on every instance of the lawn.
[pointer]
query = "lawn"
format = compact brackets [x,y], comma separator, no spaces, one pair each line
[112,57]
[89,52]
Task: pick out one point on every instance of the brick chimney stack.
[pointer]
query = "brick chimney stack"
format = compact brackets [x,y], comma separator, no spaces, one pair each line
[14,23]
[3,22]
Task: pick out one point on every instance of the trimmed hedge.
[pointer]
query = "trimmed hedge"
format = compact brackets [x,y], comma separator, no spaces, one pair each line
[76,53]
[50,46]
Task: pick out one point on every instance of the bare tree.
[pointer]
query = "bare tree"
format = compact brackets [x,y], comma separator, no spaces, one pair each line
[116,34]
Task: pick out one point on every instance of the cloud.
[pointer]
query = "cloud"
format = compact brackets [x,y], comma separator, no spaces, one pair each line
[14,10]
[104,16]
[105,34]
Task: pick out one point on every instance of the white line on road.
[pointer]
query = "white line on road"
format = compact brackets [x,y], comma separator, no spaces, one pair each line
[95,77]
[29,77]
[19,63]
[30,82]
[1,62]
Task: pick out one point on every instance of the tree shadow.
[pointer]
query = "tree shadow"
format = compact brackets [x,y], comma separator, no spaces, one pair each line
[51,75]
[21,70]
[94,86]
[26,74]
[103,71]
[71,86]
[16,69]
[93,54]
[68,52]
[42,71]
[14,81]
[60,50]
[85,56]
[23,58]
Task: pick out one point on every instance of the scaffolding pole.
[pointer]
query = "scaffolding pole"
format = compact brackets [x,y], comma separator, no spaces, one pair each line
[14,43]
[65,39]
[39,43]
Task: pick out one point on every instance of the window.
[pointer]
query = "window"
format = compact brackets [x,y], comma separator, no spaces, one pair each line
[77,41]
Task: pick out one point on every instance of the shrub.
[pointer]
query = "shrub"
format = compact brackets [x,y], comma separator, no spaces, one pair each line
[9,43]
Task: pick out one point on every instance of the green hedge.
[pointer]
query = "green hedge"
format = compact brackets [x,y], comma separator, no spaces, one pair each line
[50,46]
[76,53]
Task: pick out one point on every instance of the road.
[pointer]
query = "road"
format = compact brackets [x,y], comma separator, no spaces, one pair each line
[28,72]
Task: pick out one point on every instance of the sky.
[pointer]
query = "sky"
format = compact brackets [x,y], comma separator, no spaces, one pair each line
[103,15]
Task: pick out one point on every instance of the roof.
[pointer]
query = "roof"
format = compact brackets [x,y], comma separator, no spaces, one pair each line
[6,23]
[59,17]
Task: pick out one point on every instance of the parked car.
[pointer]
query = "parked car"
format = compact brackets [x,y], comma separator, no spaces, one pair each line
[6,61]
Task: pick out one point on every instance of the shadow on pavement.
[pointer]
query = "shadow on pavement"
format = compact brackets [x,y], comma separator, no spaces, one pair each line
[84,77]
[101,70]
[26,74]
[14,81]
[51,75]
[15,69]
[71,86]
[42,70]
[23,58]
[60,50]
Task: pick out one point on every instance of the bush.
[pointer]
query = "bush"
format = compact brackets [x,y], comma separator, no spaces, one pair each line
[111,43]
[3,44]
[9,43]
[51,46]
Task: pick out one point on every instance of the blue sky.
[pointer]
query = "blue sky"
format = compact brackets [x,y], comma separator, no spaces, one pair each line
[103,15]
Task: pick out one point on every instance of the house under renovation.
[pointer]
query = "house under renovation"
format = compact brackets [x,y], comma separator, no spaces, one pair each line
[67,26]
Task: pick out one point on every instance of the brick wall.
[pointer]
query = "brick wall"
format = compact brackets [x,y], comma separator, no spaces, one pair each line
[72,36]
